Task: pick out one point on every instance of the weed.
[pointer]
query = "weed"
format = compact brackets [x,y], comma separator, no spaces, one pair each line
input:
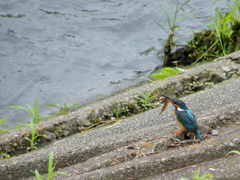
[33,111]
[165,72]
[63,109]
[223,39]
[122,110]
[106,178]
[196,176]
[117,111]
[3,126]
[21,125]
[38,176]
[171,25]
[223,24]
[4,156]
[34,136]
[51,168]
[145,99]
[197,173]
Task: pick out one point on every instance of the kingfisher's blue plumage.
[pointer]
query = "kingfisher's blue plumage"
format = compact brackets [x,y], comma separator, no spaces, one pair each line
[185,117]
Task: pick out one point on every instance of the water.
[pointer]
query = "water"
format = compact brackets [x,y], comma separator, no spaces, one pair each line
[76,51]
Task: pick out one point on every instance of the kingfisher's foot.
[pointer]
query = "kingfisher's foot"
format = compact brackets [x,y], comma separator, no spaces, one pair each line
[178,132]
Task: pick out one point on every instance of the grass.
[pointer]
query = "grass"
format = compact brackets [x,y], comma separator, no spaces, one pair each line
[171,25]
[4,156]
[196,176]
[3,126]
[21,125]
[222,39]
[51,168]
[223,25]
[33,111]
[117,112]
[63,109]
[124,110]
[144,100]
[34,136]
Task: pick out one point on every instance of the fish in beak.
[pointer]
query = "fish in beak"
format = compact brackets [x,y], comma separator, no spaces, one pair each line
[166,100]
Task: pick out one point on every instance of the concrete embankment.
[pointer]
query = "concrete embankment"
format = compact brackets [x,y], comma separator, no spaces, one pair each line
[143,146]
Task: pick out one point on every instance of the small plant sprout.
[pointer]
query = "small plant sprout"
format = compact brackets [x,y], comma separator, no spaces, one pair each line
[21,125]
[224,24]
[172,25]
[51,168]
[197,174]
[3,126]
[222,39]
[204,176]
[64,108]
[117,111]
[145,98]
[34,136]
[4,156]
[38,176]
[33,111]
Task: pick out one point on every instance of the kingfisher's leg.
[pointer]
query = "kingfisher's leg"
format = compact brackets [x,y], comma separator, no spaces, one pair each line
[181,131]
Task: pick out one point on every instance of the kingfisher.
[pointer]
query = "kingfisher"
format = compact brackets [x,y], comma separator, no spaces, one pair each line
[183,115]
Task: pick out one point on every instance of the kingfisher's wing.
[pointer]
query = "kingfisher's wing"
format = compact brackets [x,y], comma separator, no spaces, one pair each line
[188,120]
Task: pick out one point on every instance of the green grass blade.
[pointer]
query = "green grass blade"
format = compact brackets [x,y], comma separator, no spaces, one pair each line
[152,97]
[33,132]
[216,1]
[50,165]
[181,7]
[60,173]
[205,52]
[20,107]
[55,105]
[37,175]
[237,152]
[169,4]
[30,110]
[140,92]
[160,26]
[36,112]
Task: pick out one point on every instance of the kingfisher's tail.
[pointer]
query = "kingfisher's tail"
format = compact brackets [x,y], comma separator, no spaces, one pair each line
[199,136]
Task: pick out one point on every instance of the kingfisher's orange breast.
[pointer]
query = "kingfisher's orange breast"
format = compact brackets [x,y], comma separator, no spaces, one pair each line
[182,126]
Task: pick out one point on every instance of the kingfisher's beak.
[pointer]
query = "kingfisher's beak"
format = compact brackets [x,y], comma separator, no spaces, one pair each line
[166,98]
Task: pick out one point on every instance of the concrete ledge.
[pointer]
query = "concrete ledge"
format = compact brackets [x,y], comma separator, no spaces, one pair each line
[194,79]
[113,151]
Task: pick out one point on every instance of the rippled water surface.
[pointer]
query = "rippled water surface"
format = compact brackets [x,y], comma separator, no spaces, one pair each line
[74,51]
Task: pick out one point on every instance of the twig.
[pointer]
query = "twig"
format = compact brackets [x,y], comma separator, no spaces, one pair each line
[139,150]
[98,124]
